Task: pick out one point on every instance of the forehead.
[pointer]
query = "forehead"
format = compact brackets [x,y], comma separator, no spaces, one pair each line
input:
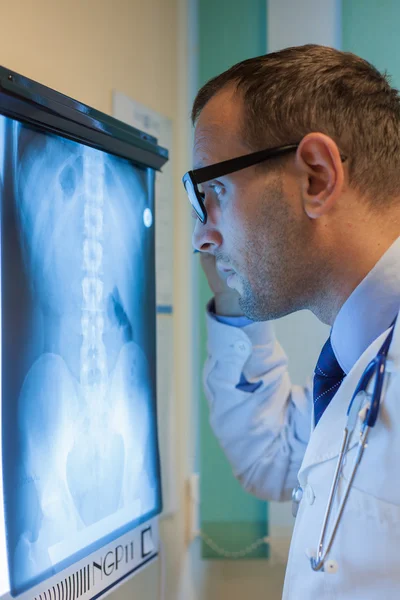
[218,134]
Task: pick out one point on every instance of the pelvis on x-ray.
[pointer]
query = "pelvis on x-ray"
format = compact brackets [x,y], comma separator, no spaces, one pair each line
[85,453]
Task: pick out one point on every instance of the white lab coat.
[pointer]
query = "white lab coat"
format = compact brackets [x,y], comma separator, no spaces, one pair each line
[267,436]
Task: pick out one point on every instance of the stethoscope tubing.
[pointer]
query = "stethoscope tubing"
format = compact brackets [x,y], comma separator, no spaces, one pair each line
[377,366]
[318,563]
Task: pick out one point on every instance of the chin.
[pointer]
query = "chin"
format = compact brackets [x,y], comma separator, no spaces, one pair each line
[250,308]
[256,307]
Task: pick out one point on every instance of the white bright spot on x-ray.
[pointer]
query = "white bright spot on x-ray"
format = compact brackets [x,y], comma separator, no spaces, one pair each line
[147,217]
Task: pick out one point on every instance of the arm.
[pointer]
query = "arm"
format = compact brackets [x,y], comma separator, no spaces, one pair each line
[263,432]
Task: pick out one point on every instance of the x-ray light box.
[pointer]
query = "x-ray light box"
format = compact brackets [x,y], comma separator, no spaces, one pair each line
[79,462]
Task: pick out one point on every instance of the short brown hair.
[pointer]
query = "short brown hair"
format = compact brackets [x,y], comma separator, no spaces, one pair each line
[299,90]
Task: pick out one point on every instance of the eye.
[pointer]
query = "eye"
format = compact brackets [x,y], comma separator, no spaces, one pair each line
[217,189]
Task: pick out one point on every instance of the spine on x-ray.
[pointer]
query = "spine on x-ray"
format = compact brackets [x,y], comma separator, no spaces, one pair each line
[93,367]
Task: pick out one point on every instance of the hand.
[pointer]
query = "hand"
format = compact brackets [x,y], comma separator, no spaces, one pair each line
[226,299]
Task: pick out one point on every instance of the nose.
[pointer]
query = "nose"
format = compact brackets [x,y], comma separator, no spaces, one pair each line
[206,237]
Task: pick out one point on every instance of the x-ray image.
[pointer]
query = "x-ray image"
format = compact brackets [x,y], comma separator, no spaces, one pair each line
[79,440]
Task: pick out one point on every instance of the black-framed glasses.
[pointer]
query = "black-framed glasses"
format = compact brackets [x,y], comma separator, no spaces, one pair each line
[193,179]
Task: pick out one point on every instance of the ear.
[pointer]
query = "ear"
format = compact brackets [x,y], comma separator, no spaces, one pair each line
[320,166]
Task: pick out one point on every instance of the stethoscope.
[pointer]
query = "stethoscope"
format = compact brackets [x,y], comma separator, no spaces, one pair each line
[369,414]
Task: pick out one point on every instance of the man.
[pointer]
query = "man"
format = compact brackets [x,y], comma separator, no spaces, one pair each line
[309,219]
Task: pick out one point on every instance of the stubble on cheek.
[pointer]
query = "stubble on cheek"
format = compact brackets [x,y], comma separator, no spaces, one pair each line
[270,257]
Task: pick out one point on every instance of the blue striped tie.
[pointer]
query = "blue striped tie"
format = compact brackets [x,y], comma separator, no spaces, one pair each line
[328,376]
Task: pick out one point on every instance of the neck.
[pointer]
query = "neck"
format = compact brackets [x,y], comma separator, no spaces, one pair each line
[350,258]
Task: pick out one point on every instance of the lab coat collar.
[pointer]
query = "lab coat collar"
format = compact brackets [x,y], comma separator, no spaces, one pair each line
[326,439]
[369,310]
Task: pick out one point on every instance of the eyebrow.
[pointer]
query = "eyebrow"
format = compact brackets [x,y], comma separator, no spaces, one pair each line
[203,157]
[201,160]
[203,164]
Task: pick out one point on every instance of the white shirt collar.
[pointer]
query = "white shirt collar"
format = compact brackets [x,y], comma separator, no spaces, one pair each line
[369,310]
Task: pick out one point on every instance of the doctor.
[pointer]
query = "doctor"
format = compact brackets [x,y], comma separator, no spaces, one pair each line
[309,219]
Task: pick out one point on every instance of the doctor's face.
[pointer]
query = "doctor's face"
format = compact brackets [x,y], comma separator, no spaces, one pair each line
[256,227]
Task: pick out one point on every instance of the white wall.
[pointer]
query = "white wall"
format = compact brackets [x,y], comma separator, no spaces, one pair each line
[85,49]
[298,22]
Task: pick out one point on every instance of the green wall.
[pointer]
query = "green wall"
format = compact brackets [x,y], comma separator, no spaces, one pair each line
[371,30]
[229,31]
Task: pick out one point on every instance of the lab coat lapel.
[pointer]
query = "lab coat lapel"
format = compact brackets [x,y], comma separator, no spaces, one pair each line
[326,438]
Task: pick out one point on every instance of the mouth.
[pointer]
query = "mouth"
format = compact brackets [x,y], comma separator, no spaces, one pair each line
[225,270]
[227,273]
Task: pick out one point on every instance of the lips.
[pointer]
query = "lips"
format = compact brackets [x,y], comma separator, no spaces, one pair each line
[225,270]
